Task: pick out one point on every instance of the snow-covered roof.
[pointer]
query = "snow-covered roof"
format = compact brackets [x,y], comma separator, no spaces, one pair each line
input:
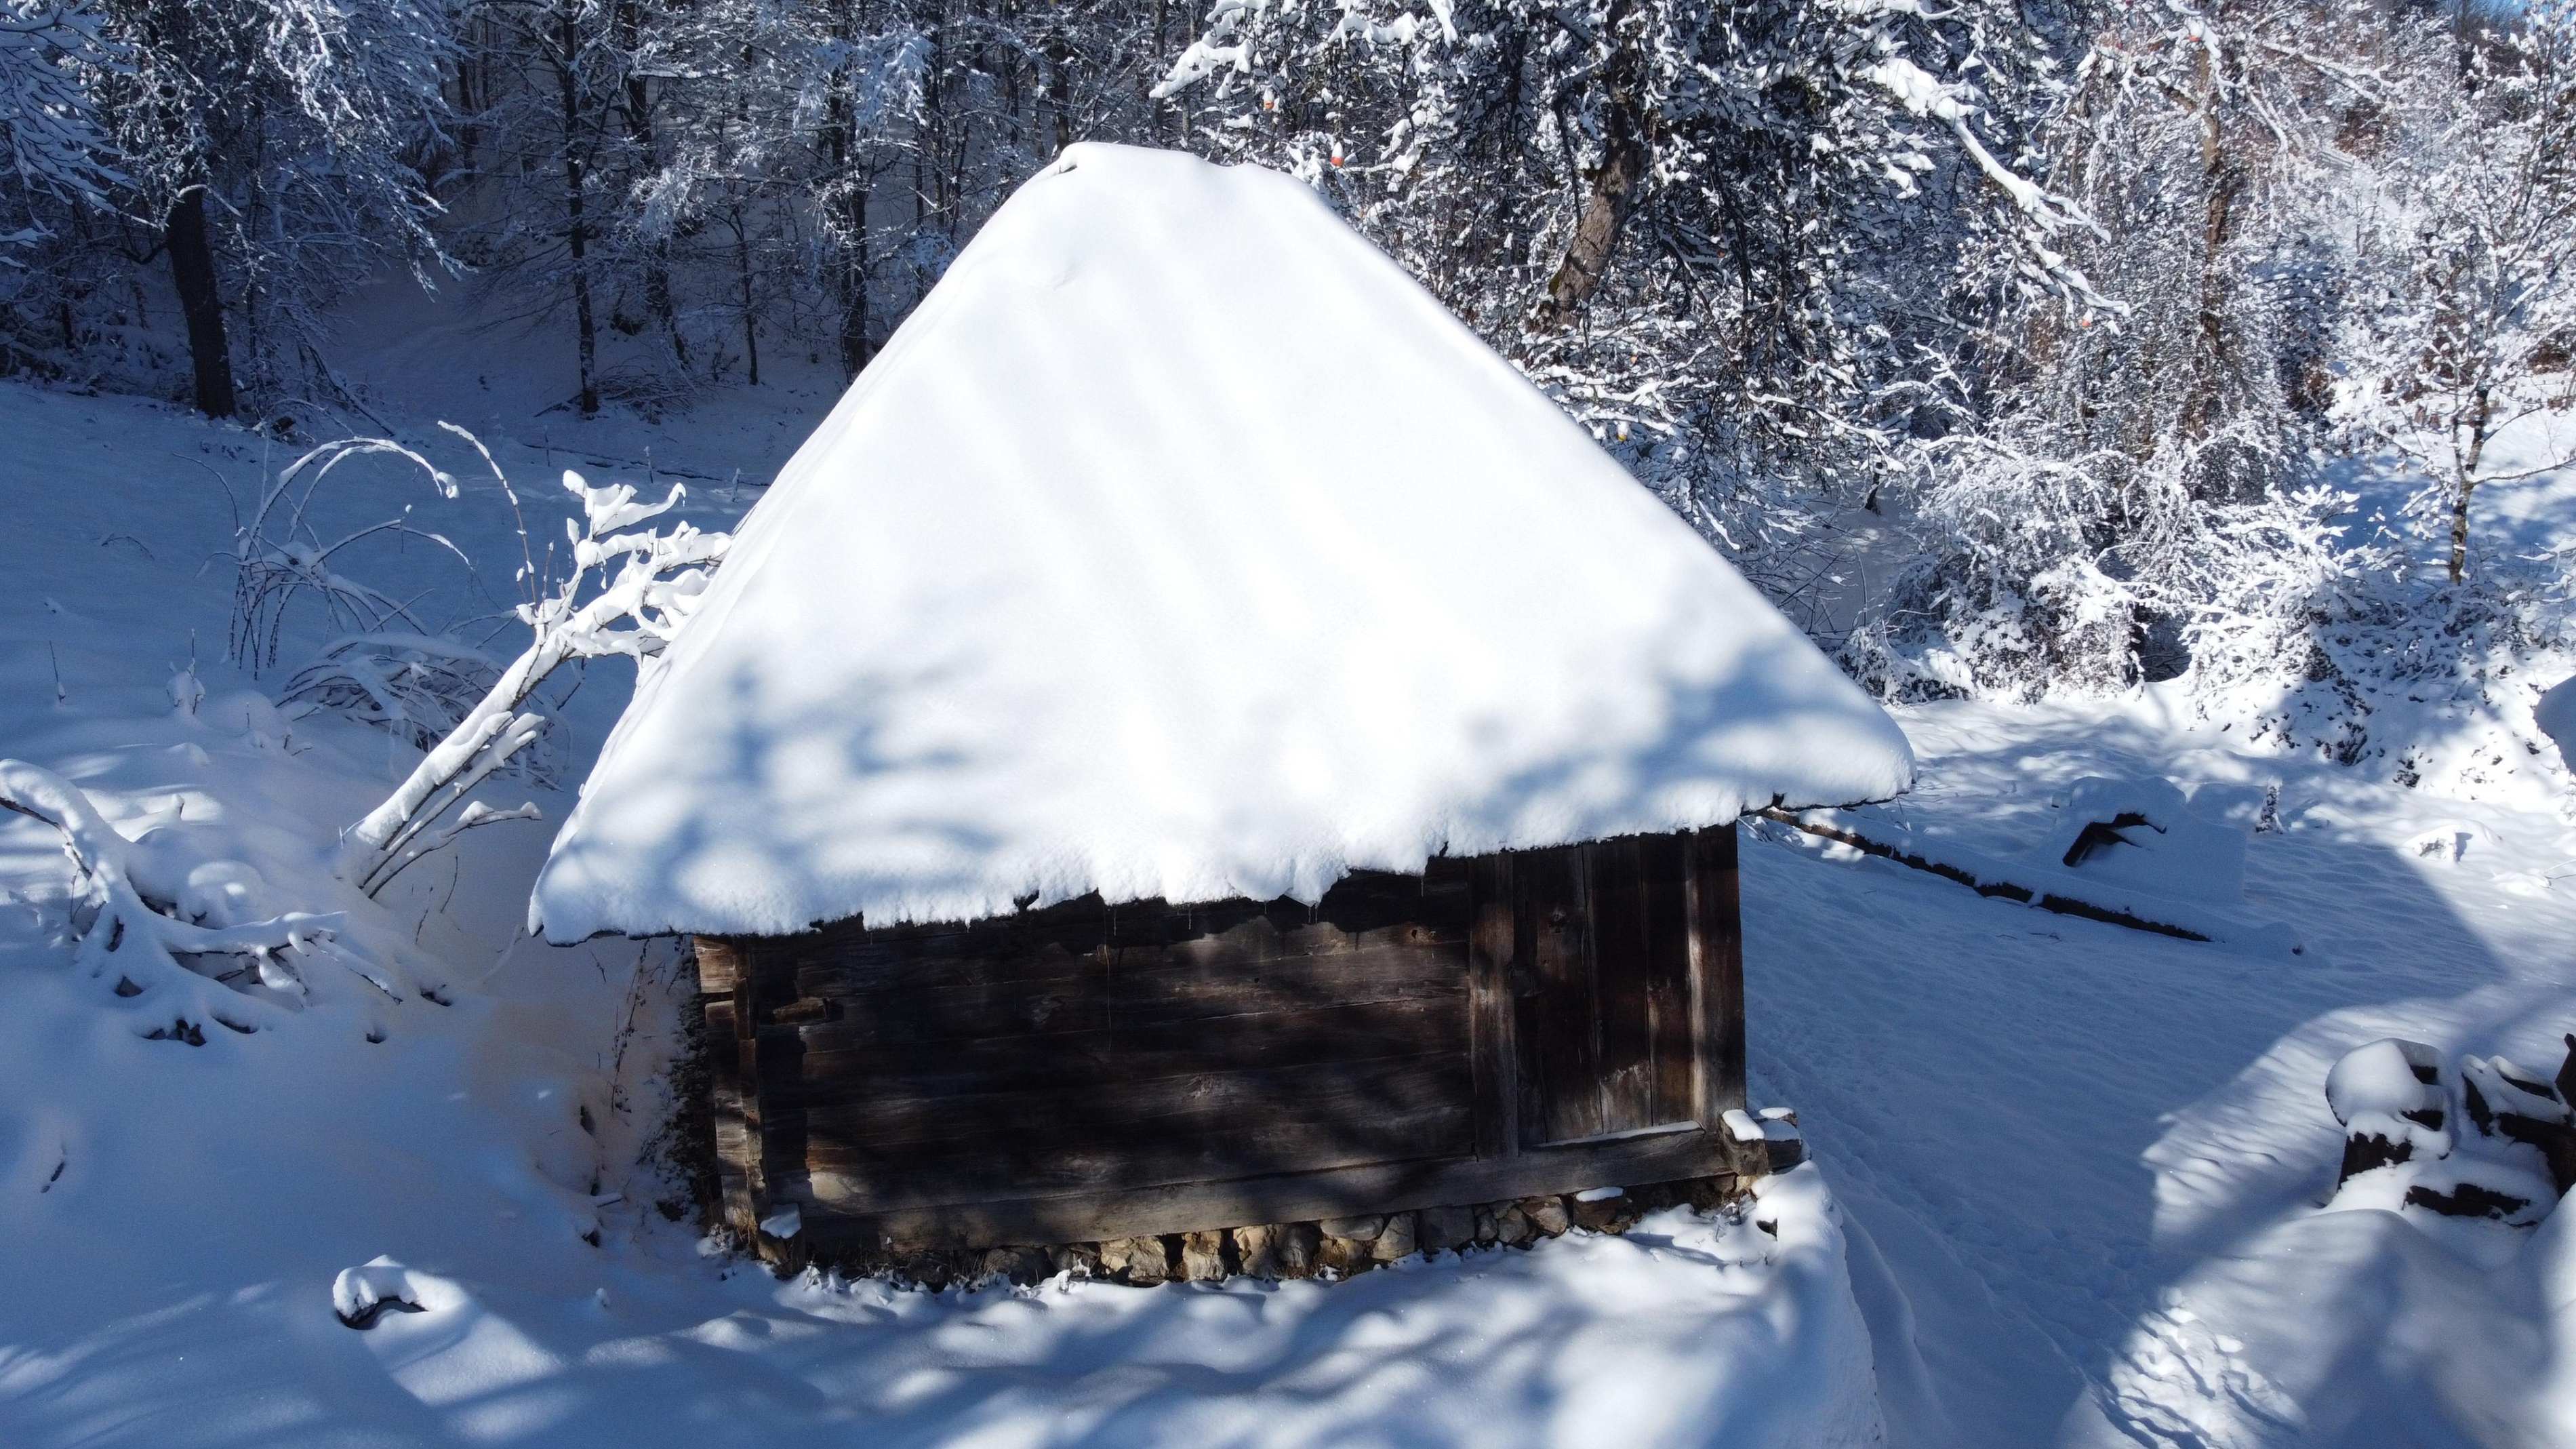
[1180,545]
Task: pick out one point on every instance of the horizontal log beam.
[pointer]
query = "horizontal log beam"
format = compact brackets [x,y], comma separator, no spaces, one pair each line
[837,1213]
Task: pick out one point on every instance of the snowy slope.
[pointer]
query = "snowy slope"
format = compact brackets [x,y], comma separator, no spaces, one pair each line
[1180,545]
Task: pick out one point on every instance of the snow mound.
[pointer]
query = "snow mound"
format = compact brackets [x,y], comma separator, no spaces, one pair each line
[1180,545]
[2556,716]
[364,1294]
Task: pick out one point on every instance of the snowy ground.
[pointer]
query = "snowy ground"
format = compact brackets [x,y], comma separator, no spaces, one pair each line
[2075,1171]
[2092,1157]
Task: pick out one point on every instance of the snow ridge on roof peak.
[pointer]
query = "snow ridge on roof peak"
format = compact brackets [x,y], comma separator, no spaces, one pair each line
[1179,545]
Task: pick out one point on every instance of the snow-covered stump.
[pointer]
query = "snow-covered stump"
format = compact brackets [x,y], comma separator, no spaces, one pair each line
[2393,1103]
[2506,1103]
[361,1295]
[2487,1140]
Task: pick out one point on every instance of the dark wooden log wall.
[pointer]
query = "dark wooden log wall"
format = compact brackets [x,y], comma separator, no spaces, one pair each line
[1516,1024]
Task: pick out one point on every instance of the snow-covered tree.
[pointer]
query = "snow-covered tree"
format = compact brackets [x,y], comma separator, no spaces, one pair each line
[2130,489]
[51,54]
[1710,231]
[273,146]
[2471,325]
[626,593]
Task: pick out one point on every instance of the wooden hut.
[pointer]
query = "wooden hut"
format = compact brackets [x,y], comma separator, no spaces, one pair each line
[1194,741]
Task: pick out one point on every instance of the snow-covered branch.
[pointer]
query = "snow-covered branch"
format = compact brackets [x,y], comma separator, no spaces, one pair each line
[629,591]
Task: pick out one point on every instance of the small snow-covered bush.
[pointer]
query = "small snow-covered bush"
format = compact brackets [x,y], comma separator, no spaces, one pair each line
[2057,574]
[415,687]
[184,934]
[2426,682]
[388,668]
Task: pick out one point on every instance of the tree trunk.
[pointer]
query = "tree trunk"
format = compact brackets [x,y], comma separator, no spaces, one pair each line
[638,108]
[742,269]
[2460,528]
[1169,124]
[1059,85]
[851,279]
[192,272]
[2222,178]
[854,286]
[577,226]
[1613,192]
[2481,415]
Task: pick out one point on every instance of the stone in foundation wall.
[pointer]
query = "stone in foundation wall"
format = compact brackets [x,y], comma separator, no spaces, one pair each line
[1203,1255]
[1342,1247]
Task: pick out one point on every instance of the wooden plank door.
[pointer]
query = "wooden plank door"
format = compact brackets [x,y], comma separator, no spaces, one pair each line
[1602,991]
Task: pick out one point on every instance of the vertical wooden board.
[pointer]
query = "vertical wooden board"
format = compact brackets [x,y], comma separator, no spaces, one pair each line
[1620,982]
[1554,1017]
[1717,962]
[1490,943]
[1663,864]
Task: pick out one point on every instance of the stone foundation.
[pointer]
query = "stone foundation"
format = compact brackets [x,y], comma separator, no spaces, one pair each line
[1334,1247]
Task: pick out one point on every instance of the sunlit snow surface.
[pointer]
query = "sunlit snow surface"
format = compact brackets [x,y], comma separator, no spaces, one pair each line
[2079,1170]
[1180,545]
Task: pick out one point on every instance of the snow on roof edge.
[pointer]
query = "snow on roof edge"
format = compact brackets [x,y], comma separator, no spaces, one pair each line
[1740,710]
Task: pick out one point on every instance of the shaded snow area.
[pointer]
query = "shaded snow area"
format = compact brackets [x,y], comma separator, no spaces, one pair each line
[2093,1160]
[2072,1183]
[1180,545]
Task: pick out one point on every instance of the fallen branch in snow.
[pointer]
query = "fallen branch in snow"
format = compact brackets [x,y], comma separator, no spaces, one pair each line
[651,468]
[2007,890]
[130,928]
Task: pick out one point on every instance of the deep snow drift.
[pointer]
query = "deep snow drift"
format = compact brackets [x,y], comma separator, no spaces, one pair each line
[1181,545]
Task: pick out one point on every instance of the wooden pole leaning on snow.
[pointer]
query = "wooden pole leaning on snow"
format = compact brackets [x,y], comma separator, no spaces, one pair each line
[659,577]
[2063,905]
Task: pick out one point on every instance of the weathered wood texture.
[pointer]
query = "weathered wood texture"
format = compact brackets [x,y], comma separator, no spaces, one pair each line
[1536,1022]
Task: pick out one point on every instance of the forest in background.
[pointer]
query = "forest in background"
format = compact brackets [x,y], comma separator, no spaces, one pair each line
[2018,348]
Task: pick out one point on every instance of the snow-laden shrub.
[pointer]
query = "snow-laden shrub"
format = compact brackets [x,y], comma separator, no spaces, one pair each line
[415,687]
[2428,683]
[2058,573]
[183,933]
[281,558]
[389,668]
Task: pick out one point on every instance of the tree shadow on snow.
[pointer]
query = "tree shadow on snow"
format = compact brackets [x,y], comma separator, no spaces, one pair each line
[2046,1123]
